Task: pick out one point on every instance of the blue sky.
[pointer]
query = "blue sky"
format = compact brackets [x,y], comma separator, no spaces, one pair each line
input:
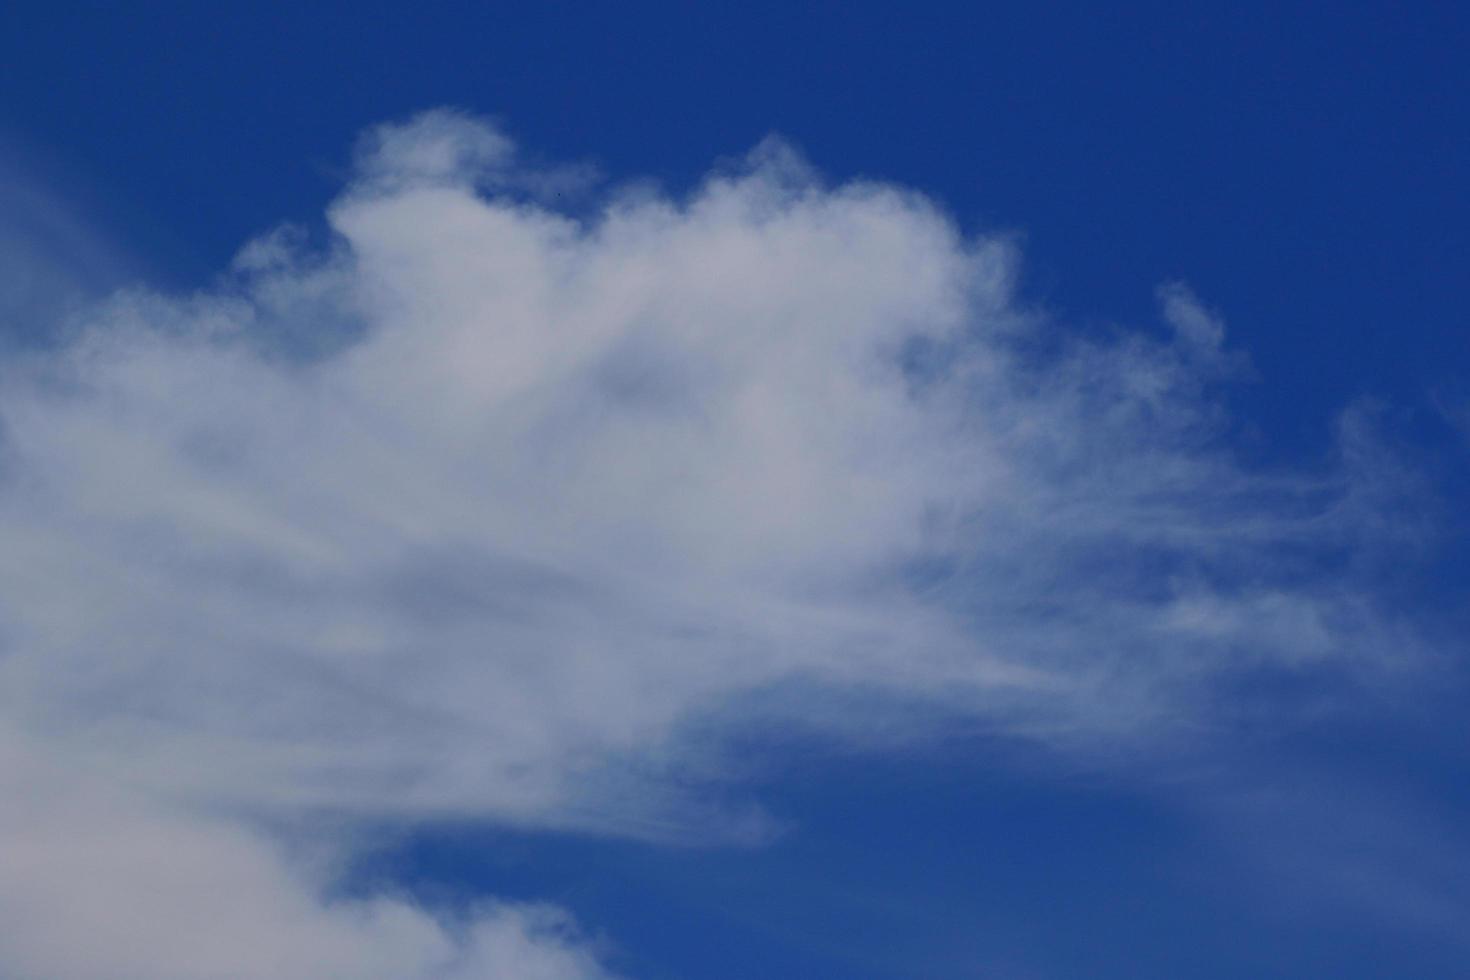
[741,490]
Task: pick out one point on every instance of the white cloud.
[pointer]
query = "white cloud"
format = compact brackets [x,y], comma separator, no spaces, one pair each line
[486,502]
[97,880]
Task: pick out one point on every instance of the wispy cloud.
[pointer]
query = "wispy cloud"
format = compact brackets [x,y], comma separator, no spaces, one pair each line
[52,260]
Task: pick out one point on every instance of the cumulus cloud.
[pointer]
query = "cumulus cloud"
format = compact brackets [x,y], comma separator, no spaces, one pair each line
[482,508]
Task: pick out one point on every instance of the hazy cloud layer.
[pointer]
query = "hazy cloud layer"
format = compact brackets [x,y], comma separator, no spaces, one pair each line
[484,506]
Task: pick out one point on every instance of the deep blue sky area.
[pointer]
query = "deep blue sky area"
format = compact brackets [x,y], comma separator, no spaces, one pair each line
[1305,167]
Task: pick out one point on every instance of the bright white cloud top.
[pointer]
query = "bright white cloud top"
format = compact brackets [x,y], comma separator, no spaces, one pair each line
[482,510]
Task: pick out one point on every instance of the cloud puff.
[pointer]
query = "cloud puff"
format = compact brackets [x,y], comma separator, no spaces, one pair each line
[486,503]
